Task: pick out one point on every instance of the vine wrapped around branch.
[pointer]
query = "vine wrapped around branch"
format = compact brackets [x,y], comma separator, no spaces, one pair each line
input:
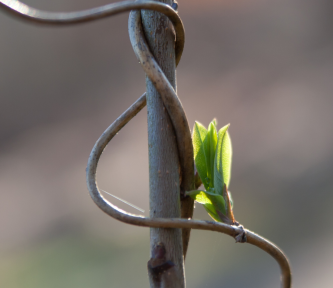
[175,110]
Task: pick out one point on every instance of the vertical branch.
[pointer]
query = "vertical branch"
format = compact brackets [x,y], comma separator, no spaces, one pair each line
[164,168]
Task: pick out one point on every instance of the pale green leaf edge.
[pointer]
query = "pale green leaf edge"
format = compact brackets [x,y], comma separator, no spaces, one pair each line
[218,168]
[200,158]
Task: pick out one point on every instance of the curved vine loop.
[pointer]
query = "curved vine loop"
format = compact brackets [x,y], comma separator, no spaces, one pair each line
[175,110]
[172,103]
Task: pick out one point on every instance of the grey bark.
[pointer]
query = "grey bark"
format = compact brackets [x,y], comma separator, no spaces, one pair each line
[164,167]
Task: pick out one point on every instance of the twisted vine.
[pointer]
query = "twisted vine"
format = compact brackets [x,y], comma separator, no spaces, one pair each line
[174,108]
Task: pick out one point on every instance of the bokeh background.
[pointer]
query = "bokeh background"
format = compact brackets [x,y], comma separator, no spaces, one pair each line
[265,66]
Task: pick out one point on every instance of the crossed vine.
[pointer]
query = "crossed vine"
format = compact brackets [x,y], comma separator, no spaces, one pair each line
[175,111]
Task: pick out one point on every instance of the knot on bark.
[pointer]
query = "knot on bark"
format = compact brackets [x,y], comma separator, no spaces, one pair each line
[158,263]
[240,236]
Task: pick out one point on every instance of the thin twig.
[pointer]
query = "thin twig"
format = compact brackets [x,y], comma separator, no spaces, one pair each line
[28,13]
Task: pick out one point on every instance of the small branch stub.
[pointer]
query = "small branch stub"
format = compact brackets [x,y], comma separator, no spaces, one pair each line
[241,236]
[158,263]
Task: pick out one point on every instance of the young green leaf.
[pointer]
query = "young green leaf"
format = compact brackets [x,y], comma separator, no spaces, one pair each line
[214,122]
[210,148]
[213,203]
[212,153]
[200,157]
[219,179]
[226,158]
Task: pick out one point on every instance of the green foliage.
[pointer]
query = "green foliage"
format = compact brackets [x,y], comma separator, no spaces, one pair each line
[210,146]
[213,203]
[212,157]
[221,172]
[200,157]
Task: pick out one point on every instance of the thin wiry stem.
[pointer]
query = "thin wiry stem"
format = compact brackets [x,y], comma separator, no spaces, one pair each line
[19,9]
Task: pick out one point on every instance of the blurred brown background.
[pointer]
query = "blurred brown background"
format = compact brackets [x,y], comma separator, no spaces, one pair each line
[265,66]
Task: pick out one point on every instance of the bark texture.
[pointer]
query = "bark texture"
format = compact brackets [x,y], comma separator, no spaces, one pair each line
[164,167]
